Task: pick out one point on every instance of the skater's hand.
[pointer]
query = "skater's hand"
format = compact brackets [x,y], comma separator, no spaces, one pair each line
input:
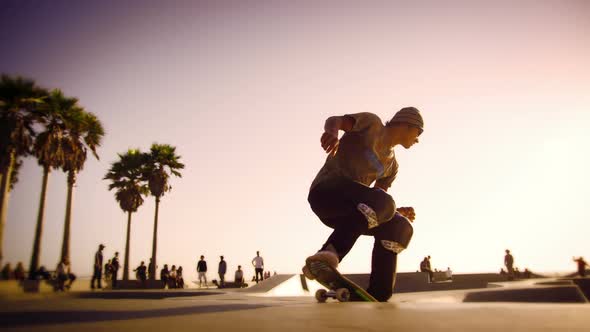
[407,212]
[330,142]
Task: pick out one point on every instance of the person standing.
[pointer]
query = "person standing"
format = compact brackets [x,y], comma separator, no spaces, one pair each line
[509,263]
[97,274]
[581,266]
[258,264]
[151,268]
[179,278]
[115,269]
[425,267]
[349,193]
[164,275]
[202,271]
[19,272]
[140,274]
[221,270]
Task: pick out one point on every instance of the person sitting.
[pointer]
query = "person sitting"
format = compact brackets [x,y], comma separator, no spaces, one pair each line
[239,277]
[42,273]
[64,275]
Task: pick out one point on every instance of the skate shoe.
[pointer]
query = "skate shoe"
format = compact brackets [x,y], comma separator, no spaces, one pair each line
[369,213]
[316,263]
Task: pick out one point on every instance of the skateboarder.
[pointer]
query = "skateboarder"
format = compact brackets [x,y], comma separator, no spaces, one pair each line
[342,198]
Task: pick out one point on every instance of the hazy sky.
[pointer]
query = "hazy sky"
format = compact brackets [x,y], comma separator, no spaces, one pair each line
[242,90]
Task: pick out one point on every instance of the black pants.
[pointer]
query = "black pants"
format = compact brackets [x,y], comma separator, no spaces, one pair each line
[259,271]
[335,203]
[114,276]
[97,275]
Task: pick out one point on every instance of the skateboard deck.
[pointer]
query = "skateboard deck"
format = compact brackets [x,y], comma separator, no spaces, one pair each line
[339,287]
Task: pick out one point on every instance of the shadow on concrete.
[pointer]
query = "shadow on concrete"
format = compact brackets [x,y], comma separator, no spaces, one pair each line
[556,294]
[147,295]
[15,319]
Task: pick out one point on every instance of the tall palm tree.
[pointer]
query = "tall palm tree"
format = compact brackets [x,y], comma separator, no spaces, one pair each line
[48,149]
[161,159]
[126,177]
[18,99]
[83,132]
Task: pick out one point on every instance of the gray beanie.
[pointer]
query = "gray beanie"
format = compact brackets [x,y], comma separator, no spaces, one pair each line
[409,115]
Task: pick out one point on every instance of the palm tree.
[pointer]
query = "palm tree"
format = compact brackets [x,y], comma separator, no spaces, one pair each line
[160,160]
[126,177]
[83,132]
[18,99]
[48,149]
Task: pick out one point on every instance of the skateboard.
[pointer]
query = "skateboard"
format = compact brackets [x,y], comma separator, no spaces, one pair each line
[338,286]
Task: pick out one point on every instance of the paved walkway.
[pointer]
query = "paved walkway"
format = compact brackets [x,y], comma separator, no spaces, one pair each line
[196,310]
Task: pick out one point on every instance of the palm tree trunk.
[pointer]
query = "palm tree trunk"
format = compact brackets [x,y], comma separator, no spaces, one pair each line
[126,264]
[39,229]
[65,247]
[155,241]
[4,192]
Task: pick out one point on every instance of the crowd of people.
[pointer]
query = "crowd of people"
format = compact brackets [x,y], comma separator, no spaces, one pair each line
[61,279]
[426,267]
[9,274]
[171,277]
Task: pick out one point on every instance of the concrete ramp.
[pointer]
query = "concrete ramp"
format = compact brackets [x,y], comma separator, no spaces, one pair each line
[268,284]
[539,294]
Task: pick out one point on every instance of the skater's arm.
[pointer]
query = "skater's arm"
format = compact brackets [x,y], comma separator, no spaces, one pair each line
[332,126]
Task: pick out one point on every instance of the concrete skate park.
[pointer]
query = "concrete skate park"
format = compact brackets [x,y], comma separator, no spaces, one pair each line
[471,301]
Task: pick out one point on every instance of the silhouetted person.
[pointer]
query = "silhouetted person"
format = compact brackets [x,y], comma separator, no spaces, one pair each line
[527,273]
[258,264]
[7,272]
[509,263]
[202,271]
[97,269]
[151,269]
[179,278]
[425,267]
[19,272]
[164,275]
[581,266]
[43,273]
[141,273]
[108,271]
[221,271]
[172,277]
[342,197]
[239,277]
[115,269]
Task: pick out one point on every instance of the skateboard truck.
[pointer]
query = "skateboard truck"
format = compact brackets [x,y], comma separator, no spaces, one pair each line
[340,294]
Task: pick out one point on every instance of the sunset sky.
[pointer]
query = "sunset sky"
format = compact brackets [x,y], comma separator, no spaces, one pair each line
[242,89]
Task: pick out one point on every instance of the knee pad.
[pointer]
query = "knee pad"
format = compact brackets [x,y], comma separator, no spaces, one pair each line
[392,246]
[388,209]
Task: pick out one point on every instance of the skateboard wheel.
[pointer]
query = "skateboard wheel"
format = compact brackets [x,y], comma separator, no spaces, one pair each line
[343,295]
[321,295]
